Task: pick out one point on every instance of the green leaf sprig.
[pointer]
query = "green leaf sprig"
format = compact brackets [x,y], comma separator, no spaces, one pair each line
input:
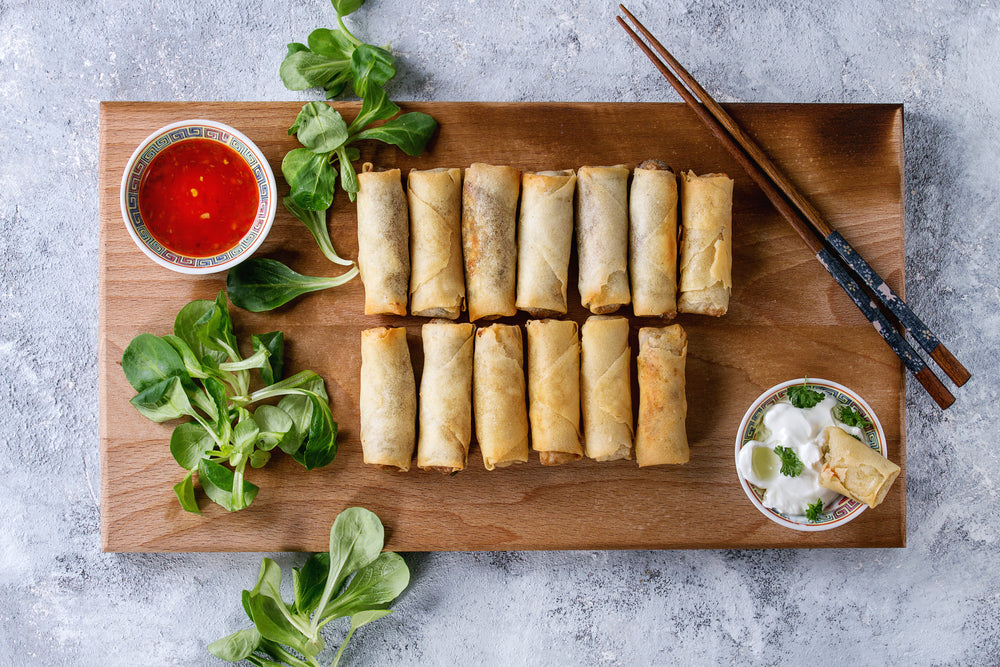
[815,510]
[289,633]
[791,465]
[332,59]
[850,417]
[198,372]
[326,139]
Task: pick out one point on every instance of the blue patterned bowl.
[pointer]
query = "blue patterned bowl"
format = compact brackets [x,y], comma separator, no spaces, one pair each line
[136,168]
[844,509]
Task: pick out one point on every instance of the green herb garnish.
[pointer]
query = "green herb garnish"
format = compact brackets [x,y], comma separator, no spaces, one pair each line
[198,372]
[802,396]
[356,541]
[851,417]
[791,465]
[814,511]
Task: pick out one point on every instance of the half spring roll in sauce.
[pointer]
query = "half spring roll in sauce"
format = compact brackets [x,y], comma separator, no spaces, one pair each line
[383,240]
[445,396]
[437,281]
[489,239]
[388,399]
[554,390]
[652,250]
[545,237]
[605,388]
[660,435]
[602,237]
[501,416]
[853,468]
[706,254]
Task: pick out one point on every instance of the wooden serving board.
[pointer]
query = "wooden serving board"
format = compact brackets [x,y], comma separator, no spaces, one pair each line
[787,320]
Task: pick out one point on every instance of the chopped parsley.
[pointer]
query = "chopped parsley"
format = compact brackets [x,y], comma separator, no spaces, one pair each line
[802,396]
[791,465]
[850,416]
[813,511]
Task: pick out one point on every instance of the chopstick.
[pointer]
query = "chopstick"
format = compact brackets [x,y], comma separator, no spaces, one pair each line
[828,245]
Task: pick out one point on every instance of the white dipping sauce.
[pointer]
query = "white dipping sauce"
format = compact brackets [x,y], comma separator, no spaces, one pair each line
[798,429]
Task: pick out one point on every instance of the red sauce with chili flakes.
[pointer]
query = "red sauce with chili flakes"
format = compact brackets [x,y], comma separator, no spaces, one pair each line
[198,198]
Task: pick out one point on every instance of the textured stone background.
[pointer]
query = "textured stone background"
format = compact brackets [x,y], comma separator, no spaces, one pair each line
[63,602]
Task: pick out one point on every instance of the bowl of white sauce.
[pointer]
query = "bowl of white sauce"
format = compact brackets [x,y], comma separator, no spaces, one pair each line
[778,457]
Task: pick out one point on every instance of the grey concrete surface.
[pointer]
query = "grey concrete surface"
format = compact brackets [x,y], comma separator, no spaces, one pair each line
[63,602]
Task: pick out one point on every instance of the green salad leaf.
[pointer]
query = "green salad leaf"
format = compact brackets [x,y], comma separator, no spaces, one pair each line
[260,284]
[198,372]
[332,59]
[290,633]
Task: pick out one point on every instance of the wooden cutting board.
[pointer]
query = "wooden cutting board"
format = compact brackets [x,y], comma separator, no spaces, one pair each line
[787,320]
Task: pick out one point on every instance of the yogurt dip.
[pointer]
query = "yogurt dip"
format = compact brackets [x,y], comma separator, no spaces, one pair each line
[797,429]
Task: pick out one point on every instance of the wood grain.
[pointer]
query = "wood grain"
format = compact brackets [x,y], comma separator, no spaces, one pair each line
[787,319]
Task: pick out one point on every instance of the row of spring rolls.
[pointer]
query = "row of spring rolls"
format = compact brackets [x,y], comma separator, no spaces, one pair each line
[461,241]
[480,372]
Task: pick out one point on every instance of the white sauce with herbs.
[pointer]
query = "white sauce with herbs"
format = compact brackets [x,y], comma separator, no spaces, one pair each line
[798,429]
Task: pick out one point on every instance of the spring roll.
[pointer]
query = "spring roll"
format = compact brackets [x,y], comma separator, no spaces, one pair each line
[602,237]
[605,388]
[706,253]
[545,236]
[652,251]
[554,390]
[383,241]
[660,435]
[498,396]
[854,469]
[388,399]
[437,282]
[489,239]
[445,396]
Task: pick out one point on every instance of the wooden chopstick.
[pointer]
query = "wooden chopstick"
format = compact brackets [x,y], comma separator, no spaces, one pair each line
[827,253]
[920,332]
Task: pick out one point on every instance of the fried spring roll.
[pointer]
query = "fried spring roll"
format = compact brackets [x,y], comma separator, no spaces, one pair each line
[545,236]
[554,390]
[602,237]
[489,239]
[437,282]
[498,396]
[383,241]
[605,388]
[652,252]
[853,468]
[706,253]
[660,435]
[445,396]
[388,399]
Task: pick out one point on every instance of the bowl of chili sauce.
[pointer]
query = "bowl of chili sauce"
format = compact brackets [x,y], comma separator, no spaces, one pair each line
[198,196]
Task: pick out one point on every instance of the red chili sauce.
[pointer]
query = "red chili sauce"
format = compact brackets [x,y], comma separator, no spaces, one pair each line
[198,198]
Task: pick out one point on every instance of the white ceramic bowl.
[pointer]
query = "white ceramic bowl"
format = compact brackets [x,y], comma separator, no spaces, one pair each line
[132,179]
[841,511]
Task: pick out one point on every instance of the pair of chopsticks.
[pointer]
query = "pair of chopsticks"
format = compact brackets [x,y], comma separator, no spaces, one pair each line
[831,249]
